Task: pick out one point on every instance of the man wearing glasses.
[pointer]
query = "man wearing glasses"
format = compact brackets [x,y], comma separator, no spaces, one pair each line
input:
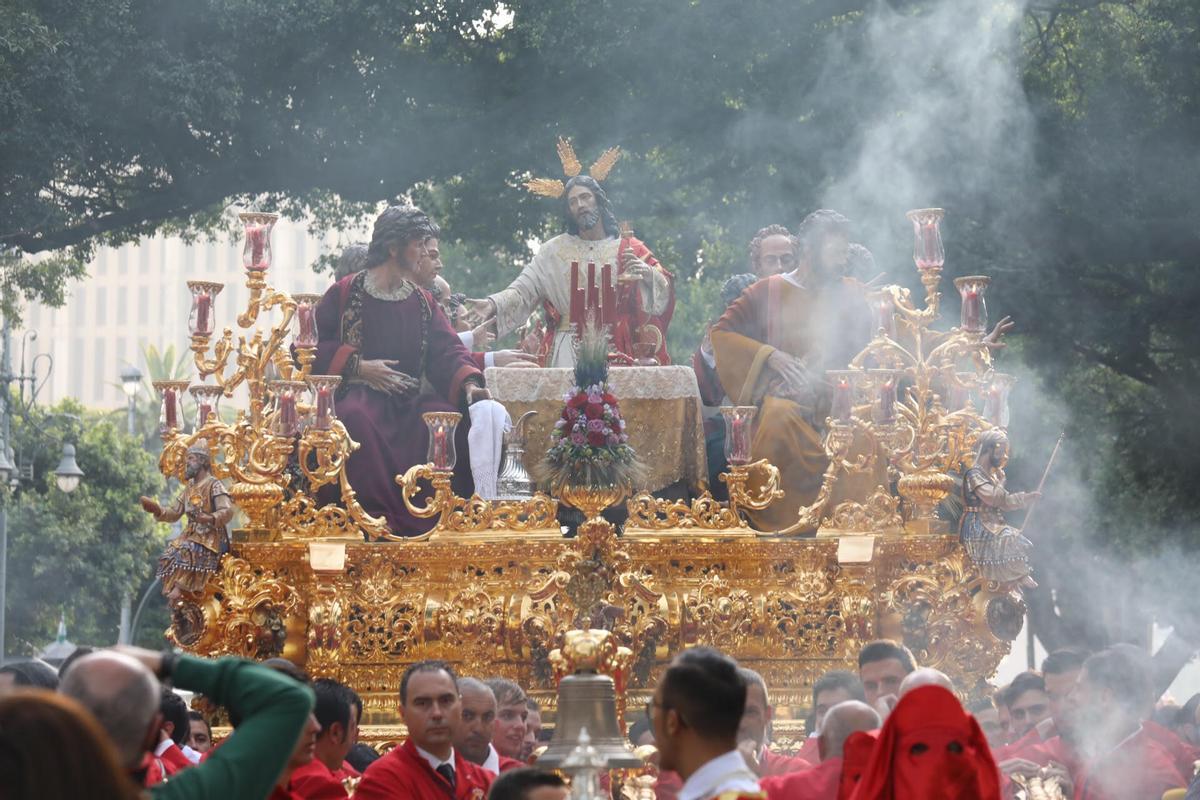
[696,711]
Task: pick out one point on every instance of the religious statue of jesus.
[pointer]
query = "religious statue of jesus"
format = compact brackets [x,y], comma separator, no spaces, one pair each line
[645,293]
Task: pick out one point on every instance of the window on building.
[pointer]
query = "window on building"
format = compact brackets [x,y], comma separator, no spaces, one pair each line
[122,305]
[75,367]
[102,374]
[79,301]
[101,305]
[143,305]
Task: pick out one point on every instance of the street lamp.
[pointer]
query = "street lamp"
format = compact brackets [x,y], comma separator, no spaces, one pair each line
[131,381]
[68,473]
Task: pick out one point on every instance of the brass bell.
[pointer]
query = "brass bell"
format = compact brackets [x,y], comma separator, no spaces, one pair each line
[587,700]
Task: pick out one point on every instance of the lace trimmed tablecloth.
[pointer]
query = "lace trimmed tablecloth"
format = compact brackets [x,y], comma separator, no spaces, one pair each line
[661,406]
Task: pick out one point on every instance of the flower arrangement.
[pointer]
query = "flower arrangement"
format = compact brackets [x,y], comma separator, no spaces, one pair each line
[589,443]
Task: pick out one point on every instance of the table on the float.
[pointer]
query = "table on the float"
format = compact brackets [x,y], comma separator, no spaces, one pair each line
[661,406]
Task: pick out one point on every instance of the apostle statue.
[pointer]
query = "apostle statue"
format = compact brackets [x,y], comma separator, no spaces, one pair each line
[189,559]
[382,331]
[645,294]
[1000,551]
[772,348]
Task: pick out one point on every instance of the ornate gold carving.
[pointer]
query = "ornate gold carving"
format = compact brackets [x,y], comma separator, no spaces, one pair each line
[720,616]
[384,610]
[785,607]
[246,611]
[471,629]
[458,515]
[647,512]
[879,514]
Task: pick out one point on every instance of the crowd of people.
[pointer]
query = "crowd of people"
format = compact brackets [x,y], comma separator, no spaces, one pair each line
[113,724]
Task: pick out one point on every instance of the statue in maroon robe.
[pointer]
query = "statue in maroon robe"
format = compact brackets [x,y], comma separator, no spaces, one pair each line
[383,333]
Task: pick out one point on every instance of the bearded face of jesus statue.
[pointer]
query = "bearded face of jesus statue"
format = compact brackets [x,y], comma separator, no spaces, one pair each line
[585,204]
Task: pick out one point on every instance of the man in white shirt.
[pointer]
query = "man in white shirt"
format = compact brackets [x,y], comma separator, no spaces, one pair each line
[696,711]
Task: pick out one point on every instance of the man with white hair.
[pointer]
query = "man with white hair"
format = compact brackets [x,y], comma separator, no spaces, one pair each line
[121,690]
[821,782]
[925,676]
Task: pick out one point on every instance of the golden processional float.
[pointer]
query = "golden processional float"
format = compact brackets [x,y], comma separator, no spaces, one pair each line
[494,587]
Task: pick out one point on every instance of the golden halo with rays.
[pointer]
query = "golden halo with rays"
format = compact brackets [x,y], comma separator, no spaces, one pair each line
[553,187]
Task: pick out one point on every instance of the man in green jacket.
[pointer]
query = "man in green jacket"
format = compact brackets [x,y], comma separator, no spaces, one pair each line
[120,688]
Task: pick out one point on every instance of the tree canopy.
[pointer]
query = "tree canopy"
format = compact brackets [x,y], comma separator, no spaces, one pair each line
[77,553]
[1059,134]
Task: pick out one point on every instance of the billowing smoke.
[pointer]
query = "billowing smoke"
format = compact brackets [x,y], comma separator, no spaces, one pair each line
[945,118]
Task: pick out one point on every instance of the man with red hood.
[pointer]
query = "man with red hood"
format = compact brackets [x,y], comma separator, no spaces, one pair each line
[930,749]
[822,781]
[856,755]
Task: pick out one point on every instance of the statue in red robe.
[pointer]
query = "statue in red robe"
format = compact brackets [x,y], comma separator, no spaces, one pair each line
[645,291]
[383,333]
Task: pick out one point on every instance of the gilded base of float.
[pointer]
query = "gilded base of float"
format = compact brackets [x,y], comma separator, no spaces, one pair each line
[497,603]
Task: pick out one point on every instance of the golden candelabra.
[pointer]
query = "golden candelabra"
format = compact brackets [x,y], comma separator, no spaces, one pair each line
[909,375]
[281,438]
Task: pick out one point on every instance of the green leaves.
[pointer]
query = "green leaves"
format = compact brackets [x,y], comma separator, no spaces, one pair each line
[78,553]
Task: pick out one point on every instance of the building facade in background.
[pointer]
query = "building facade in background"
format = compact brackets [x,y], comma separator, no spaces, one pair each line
[137,295]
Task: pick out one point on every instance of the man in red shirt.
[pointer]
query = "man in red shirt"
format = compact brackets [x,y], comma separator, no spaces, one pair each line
[338,717]
[1121,759]
[835,686]
[511,714]
[821,782]
[1041,745]
[473,736]
[533,730]
[754,731]
[882,665]
[303,755]
[426,766]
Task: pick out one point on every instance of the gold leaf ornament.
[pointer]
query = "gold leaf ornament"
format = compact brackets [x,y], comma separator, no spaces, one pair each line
[604,164]
[566,154]
[554,188]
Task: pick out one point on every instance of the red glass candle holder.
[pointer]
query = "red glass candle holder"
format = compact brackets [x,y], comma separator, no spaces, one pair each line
[256,247]
[170,405]
[306,320]
[739,433]
[886,386]
[324,390]
[441,425]
[844,384]
[928,252]
[288,395]
[995,399]
[973,315]
[201,319]
[208,402]
[883,314]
